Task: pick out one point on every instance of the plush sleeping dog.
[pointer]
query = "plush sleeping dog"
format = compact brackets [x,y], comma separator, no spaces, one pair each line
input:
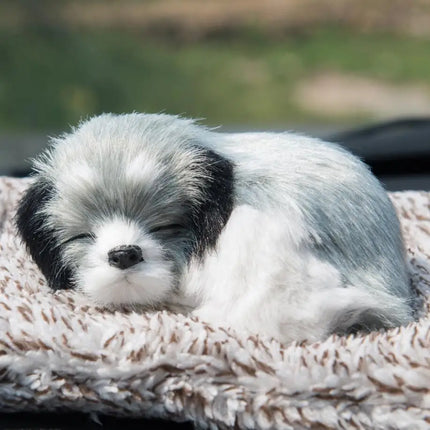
[270,233]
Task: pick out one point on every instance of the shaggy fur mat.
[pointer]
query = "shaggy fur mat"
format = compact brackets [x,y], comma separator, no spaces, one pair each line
[58,352]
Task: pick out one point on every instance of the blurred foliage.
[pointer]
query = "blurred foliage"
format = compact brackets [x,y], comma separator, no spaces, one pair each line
[52,75]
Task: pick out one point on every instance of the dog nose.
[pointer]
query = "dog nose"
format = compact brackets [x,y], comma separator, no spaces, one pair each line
[125,256]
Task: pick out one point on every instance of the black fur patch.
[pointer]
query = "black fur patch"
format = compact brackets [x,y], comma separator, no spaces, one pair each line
[39,239]
[211,215]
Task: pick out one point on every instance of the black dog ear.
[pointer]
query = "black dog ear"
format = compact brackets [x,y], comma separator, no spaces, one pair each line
[215,207]
[39,238]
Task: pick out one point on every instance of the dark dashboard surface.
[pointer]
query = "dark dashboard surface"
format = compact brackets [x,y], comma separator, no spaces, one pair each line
[398,152]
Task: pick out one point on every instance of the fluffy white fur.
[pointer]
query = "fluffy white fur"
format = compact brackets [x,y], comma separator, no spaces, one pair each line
[106,284]
[312,244]
[59,353]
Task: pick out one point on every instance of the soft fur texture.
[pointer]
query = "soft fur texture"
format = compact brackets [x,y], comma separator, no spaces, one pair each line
[59,353]
[268,233]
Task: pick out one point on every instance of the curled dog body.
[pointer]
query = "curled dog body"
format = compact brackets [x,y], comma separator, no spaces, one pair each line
[271,233]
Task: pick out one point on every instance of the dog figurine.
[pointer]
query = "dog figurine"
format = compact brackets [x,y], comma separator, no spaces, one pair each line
[270,233]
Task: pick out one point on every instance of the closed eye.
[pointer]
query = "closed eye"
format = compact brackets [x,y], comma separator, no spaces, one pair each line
[167,228]
[79,237]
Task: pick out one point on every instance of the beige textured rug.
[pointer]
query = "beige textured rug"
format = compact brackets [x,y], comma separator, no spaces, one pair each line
[58,352]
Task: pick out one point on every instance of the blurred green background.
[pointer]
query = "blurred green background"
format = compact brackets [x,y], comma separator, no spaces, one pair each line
[241,64]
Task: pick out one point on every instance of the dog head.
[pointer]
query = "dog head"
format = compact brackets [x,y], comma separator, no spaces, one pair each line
[120,205]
